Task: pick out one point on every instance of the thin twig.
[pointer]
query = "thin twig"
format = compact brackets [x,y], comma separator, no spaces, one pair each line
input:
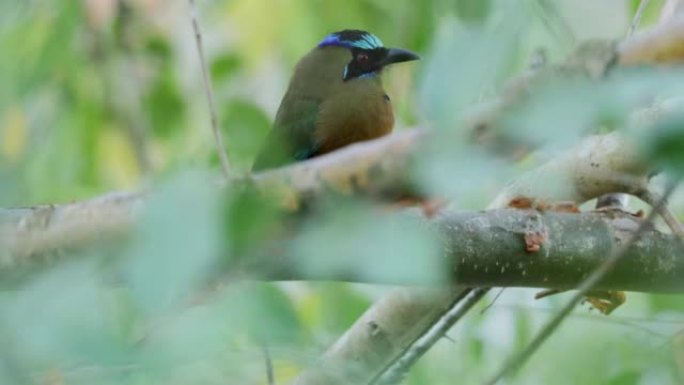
[496,297]
[555,22]
[637,17]
[516,361]
[395,372]
[668,216]
[269,364]
[617,200]
[220,149]
[630,322]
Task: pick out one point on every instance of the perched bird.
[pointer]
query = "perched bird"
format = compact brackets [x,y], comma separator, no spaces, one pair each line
[335,98]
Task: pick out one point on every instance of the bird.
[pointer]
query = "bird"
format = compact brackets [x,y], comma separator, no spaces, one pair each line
[335,98]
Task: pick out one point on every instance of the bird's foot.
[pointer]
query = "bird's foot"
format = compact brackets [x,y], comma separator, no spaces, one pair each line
[606,301]
[619,210]
[603,301]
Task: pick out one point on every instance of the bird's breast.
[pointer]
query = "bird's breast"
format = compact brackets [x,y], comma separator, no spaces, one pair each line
[359,111]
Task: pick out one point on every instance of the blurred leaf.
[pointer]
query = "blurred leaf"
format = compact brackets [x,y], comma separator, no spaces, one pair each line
[626,378]
[473,10]
[385,249]
[13,133]
[245,126]
[523,328]
[651,12]
[159,47]
[266,313]
[251,220]
[117,158]
[468,177]
[194,334]
[661,303]
[165,104]
[177,243]
[333,306]
[598,353]
[463,64]
[564,108]
[664,143]
[62,318]
[559,112]
[224,66]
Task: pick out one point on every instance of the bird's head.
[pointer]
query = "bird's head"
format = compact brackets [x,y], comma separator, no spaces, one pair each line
[368,55]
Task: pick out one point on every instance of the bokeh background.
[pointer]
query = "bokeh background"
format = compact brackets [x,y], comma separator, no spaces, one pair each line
[105,95]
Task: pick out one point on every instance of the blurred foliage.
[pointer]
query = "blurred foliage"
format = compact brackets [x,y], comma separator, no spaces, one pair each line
[665,145]
[99,95]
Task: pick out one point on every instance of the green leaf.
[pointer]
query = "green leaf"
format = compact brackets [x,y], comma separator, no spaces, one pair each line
[245,126]
[177,243]
[224,66]
[661,303]
[663,145]
[251,219]
[64,317]
[340,305]
[159,47]
[463,64]
[474,11]
[265,312]
[165,104]
[651,12]
[385,248]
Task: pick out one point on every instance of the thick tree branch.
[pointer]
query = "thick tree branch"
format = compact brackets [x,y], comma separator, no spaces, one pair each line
[576,244]
[603,163]
[481,248]
[487,249]
[591,282]
[28,234]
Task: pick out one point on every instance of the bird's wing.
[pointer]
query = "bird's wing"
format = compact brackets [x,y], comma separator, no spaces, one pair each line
[292,136]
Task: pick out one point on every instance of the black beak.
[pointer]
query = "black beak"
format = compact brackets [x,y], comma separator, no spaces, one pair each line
[398,55]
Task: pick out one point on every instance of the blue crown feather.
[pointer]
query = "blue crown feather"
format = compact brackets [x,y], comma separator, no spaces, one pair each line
[352,38]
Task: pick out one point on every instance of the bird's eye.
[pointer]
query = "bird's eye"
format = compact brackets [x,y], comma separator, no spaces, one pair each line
[362,58]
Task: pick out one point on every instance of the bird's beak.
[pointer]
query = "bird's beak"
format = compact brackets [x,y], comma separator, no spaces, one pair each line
[398,55]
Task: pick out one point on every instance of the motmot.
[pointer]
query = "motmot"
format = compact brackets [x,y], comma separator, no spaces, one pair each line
[334,98]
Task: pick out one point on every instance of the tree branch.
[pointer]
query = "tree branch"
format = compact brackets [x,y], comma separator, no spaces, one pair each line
[662,44]
[592,281]
[480,248]
[487,249]
[28,234]
[395,373]
[599,164]
[394,323]
[209,91]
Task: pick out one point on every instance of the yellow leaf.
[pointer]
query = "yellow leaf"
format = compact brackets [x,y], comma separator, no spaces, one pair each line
[13,134]
[285,371]
[116,158]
